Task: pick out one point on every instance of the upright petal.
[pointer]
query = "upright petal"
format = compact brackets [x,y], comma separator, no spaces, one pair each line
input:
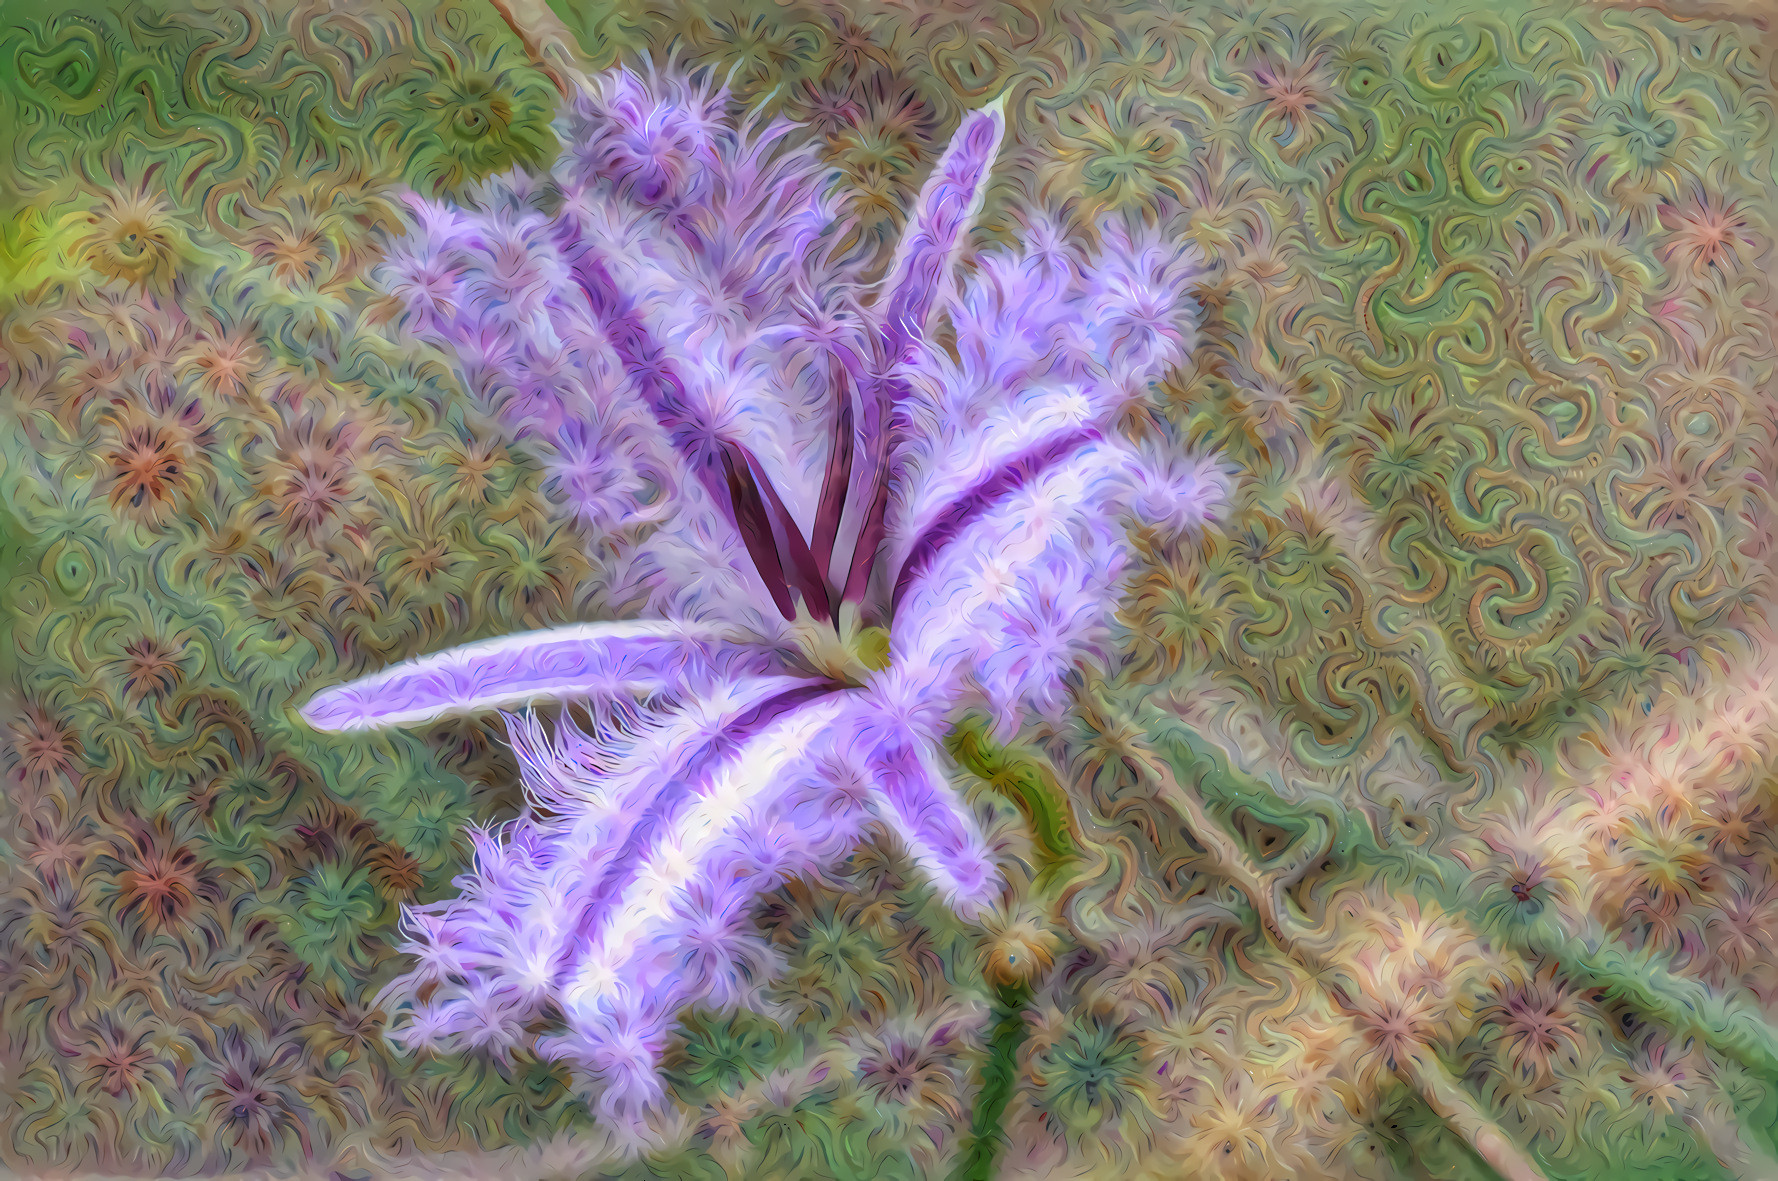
[940,221]
[956,483]
[630,755]
[944,615]
[941,218]
[1140,317]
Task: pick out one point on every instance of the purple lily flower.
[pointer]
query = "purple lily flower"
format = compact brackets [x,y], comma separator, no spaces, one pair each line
[852,530]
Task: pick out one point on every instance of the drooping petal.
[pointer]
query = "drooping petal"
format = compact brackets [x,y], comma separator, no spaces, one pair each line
[1009,597]
[762,765]
[616,1055]
[540,888]
[489,958]
[914,796]
[627,753]
[611,837]
[600,661]
[719,950]
[706,949]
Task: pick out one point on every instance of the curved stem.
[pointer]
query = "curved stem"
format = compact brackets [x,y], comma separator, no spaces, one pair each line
[1296,939]
[1020,775]
[1592,958]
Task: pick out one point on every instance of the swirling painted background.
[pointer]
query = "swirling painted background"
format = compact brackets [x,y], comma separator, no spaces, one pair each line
[1488,332]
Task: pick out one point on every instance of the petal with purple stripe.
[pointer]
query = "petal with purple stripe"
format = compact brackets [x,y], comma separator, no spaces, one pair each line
[915,798]
[600,661]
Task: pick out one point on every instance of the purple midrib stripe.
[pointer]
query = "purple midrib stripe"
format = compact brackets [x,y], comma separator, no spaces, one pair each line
[810,580]
[998,484]
[906,308]
[643,359]
[678,792]
[729,472]
[883,392]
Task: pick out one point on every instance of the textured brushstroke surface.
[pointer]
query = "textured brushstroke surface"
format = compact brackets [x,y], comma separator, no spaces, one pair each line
[1413,820]
[624,899]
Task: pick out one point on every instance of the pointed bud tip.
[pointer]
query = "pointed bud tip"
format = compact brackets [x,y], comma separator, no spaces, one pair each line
[324,712]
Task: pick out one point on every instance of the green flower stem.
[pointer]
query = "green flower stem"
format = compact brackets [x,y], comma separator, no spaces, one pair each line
[1022,777]
[999,1078]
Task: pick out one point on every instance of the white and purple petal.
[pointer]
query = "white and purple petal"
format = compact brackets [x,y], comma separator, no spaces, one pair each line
[915,798]
[939,224]
[598,661]
[629,926]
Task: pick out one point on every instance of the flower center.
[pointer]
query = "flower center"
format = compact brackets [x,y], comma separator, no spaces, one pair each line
[849,654]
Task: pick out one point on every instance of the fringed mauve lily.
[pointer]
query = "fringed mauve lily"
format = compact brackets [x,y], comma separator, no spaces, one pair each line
[845,528]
